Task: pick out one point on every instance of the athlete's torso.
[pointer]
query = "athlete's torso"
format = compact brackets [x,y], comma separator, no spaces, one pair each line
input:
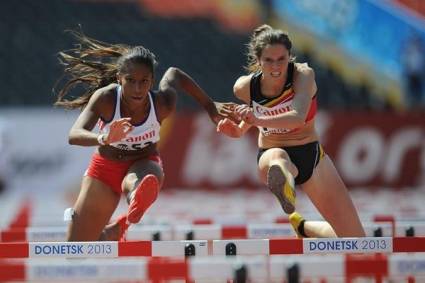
[273,106]
[143,135]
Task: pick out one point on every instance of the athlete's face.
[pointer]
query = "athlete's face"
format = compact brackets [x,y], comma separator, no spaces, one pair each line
[274,61]
[136,82]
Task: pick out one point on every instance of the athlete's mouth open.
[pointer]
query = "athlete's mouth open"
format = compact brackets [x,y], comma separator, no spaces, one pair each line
[275,74]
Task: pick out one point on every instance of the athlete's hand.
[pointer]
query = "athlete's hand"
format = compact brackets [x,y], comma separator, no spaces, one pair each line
[227,110]
[218,110]
[213,112]
[246,114]
[119,129]
[229,128]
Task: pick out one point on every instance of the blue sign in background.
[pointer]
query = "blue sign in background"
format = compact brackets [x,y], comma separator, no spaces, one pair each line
[369,30]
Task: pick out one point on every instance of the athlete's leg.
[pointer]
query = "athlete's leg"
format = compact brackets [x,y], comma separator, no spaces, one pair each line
[317,229]
[116,230]
[141,186]
[93,209]
[278,172]
[310,229]
[330,196]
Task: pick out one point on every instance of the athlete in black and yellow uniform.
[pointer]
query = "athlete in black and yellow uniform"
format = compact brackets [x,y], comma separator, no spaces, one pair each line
[305,157]
[280,100]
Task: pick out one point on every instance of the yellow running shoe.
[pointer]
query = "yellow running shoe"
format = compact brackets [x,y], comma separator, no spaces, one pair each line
[296,221]
[284,190]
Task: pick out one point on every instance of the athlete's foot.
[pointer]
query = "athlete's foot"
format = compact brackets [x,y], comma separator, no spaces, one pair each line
[283,189]
[123,225]
[116,230]
[297,223]
[142,198]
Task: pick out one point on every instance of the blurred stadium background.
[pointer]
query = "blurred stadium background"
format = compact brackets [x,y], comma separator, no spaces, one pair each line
[369,60]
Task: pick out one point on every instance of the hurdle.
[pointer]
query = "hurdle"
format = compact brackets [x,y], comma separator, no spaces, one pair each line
[319,246]
[314,268]
[107,249]
[114,249]
[204,232]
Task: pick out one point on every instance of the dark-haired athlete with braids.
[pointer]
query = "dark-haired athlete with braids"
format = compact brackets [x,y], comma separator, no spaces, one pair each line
[280,97]
[120,99]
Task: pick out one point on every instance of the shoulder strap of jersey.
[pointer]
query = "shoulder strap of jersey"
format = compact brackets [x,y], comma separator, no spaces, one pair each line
[291,69]
[255,87]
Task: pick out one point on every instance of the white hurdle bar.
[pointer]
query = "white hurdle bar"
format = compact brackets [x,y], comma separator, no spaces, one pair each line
[27,217]
[200,232]
[219,247]
[107,249]
[315,268]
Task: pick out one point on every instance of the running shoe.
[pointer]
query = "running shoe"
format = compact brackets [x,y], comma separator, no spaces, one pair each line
[142,198]
[284,190]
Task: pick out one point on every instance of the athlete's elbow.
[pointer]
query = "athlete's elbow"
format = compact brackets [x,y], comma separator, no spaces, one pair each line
[174,72]
[72,140]
[173,69]
[173,78]
[72,137]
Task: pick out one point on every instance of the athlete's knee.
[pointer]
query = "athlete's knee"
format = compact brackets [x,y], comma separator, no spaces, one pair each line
[133,179]
[292,169]
[136,183]
[277,153]
[129,182]
[280,156]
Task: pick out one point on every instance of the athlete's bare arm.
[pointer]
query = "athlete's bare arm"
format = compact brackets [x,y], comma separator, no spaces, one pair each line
[167,96]
[175,79]
[241,88]
[241,91]
[101,104]
[304,88]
